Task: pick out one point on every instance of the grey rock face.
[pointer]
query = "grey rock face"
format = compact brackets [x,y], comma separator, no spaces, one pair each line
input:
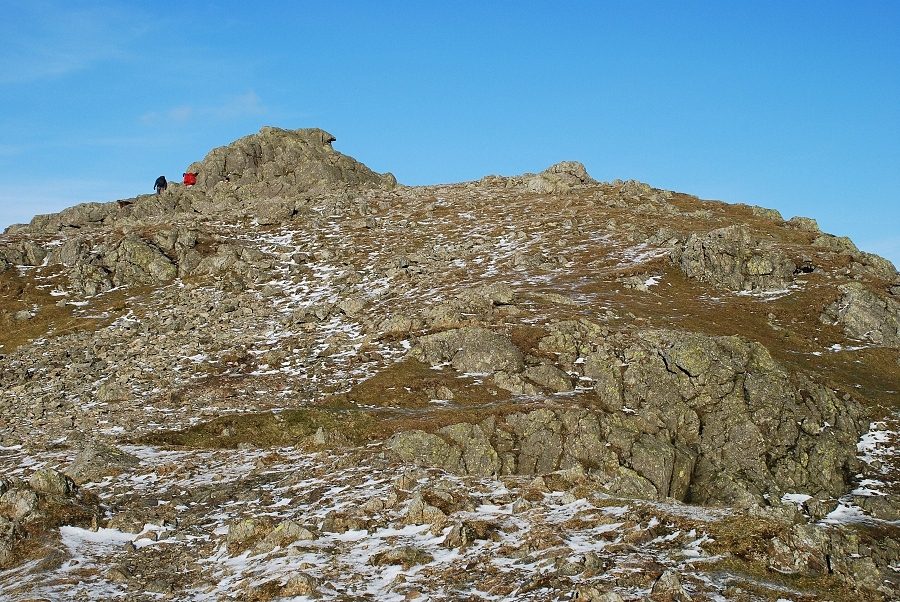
[473,349]
[96,461]
[839,244]
[22,252]
[79,216]
[682,415]
[153,257]
[875,265]
[426,449]
[52,482]
[733,258]
[31,511]
[668,588]
[131,260]
[277,162]
[864,315]
[810,550]
[560,177]
[274,211]
[807,224]
[407,556]
[550,377]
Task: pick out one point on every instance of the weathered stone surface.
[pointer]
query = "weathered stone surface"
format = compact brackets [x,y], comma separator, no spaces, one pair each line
[812,550]
[123,261]
[300,584]
[804,223]
[864,315]
[112,390]
[476,350]
[18,503]
[560,177]
[22,252]
[274,211]
[772,214]
[550,377]
[79,216]
[244,533]
[97,460]
[706,419]
[406,556]
[668,588]
[514,383]
[587,593]
[478,456]
[874,265]
[31,512]
[839,244]
[426,449]
[283,535]
[51,482]
[277,162]
[733,258]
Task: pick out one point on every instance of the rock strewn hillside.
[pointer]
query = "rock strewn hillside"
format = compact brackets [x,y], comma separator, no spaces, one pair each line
[542,339]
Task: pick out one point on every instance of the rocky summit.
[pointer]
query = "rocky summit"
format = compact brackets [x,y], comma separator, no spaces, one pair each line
[301,380]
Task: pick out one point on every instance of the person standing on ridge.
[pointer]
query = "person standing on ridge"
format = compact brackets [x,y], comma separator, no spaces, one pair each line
[160,184]
[190,178]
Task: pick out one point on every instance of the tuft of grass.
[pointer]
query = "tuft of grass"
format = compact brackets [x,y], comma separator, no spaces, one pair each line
[411,384]
[761,581]
[268,429]
[18,292]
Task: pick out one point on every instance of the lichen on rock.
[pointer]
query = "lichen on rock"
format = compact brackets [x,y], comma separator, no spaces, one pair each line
[865,315]
[733,258]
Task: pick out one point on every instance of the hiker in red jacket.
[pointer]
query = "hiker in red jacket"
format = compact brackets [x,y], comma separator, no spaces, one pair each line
[190,178]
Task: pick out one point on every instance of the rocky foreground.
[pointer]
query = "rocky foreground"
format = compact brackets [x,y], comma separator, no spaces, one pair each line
[300,380]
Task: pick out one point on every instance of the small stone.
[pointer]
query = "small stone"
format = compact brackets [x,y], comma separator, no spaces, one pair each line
[53,482]
[406,556]
[118,574]
[668,588]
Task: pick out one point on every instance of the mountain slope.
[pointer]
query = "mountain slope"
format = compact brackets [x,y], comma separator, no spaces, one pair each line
[455,369]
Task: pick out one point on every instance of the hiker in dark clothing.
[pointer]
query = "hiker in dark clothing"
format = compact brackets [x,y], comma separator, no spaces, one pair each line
[160,184]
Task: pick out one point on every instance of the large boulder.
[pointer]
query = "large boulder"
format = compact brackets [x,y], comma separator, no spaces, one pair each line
[129,260]
[472,349]
[32,511]
[559,177]
[865,315]
[735,259]
[97,460]
[277,162]
[21,252]
[73,218]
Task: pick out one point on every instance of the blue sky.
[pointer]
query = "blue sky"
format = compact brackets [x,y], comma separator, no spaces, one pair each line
[792,105]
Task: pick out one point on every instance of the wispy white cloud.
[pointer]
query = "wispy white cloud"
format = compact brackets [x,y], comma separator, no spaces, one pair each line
[43,40]
[242,105]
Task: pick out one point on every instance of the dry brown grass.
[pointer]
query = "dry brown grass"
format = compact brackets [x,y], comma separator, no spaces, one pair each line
[18,293]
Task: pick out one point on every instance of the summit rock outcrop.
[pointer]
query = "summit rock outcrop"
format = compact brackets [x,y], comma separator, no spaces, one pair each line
[279,163]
